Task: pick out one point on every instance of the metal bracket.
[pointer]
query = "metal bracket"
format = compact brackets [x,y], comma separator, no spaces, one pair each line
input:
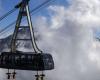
[23,3]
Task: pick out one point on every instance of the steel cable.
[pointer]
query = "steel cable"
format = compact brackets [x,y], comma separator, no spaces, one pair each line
[8,13]
[44,4]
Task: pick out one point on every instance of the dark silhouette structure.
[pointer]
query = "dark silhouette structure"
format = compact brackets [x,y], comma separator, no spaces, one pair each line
[20,60]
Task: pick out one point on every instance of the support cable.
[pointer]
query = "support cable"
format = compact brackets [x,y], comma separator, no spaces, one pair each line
[41,5]
[8,13]
[35,9]
[7,26]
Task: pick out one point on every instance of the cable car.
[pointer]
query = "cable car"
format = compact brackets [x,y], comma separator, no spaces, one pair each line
[35,61]
[26,61]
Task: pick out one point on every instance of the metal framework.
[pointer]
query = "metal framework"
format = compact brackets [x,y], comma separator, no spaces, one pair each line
[36,60]
[24,11]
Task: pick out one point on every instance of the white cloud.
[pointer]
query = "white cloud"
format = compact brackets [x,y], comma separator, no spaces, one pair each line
[70,40]
[85,11]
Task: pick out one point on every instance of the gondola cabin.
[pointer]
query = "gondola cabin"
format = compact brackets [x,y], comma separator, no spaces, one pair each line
[26,61]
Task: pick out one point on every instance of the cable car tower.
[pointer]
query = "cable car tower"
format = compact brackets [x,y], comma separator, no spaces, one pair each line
[19,60]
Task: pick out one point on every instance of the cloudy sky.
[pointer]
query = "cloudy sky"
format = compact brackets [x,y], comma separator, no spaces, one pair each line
[68,29]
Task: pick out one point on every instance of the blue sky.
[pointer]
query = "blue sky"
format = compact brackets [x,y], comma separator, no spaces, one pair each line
[7,5]
[69,37]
